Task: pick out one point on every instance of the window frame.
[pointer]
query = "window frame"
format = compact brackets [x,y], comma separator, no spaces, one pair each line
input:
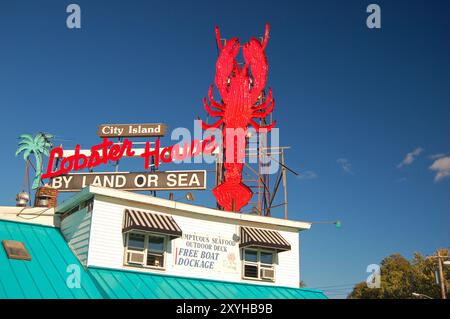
[146,250]
[259,264]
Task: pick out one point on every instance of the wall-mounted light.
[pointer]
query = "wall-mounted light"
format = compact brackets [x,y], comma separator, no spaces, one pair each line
[190,197]
[337,223]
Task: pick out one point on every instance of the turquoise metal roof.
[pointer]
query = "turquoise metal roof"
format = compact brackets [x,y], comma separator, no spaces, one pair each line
[45,276]
[137,285]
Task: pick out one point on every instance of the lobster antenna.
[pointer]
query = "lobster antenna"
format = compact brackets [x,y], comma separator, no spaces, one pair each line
[266,36]
[219,43]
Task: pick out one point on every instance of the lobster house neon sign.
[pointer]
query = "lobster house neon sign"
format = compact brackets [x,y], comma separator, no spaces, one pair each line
[108,151]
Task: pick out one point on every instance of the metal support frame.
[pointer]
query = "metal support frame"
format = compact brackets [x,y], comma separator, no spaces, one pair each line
[265,189]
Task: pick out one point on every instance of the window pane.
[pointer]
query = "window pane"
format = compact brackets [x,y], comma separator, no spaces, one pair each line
[136,241]
[155,260]
[266,258]
[251,271]
[251,255]
[155,243]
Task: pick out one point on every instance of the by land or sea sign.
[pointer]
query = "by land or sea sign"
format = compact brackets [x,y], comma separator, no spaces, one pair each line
[173,180]
[132,130]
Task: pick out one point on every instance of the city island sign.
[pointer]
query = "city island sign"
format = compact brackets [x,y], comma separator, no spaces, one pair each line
[131,130]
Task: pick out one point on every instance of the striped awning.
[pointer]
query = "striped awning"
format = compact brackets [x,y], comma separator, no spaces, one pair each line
[152,222]
[263,238]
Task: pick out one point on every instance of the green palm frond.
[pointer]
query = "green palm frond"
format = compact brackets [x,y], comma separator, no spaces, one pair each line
[39,140]
[42,140]
[28,137]
[26,154]
[21,148]
[37,145]
[30,144]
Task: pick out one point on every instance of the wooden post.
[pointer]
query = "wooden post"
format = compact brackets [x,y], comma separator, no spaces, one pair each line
[283,168]
[441,277]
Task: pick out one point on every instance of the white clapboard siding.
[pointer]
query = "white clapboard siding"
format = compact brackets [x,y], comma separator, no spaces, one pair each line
[106,244]
[288,268]
[76,230]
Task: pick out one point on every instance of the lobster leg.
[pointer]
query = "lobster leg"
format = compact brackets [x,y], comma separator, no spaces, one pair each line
[264,105]
[207,126]
[209,110]
[213,102]
[260,128]
[266,112]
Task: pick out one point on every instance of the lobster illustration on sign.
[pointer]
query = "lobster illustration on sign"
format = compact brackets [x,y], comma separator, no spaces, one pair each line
[241,89]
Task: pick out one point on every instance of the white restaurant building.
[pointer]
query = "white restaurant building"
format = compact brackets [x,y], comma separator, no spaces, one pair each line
[114,233]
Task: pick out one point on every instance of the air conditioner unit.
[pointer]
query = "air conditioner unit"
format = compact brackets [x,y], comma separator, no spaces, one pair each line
[268,273]
[136,257]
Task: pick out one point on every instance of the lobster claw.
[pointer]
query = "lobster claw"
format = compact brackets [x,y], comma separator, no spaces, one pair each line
[225,66]
[255,57]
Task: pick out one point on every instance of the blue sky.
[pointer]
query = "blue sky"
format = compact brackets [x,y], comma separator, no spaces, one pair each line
[351,102]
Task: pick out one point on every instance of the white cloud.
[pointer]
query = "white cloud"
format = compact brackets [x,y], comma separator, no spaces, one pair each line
[346,165]
[307,175]
[442,168]
[410,157]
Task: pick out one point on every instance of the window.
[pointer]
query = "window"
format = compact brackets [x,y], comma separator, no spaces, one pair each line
[136,242]
[145,250]
[89,204]
[155,254]
[259,264]
[16,250]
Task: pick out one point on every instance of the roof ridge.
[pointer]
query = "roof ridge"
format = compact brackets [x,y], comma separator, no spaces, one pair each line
[27,223]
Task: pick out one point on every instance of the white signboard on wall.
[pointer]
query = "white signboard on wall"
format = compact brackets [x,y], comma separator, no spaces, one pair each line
[206,253]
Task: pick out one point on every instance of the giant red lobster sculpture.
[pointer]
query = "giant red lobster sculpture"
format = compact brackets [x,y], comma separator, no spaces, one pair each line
[241,89]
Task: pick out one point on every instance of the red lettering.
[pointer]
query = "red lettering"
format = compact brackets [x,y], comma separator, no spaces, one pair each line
[76,165]
[195,148]
[129,147]
[108,151]
[149,153]
[55,152]
[177,154]
[67,168]
[166,154]
[116,152]
[209,145]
